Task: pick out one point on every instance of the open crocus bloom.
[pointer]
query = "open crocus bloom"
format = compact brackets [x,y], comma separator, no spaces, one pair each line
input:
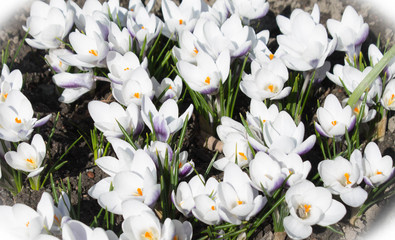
[182,17]
[188,47]
[108,116]
[16,118]
[134,89]
[266,82]
[184,198]
[350,32]
[48,24]
[173,88]
[259,114]
[165,121]
[9,81]
[342,177]
[333,119]
[283,134]
[352,77]
[388,98]
[28,157]
[377,169]
[54,60]
[368,114]
[304,44]
[238,200]
[121,66]
[309,205]
[206,75]
[266,173]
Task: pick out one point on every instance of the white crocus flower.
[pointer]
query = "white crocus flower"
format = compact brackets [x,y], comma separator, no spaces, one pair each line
[248,10]
[266,82]
[28,157]
[377,169]
[74,84]
[238,200]
[228,127]
[304,44]
[182,17]
[350,32]
[134,89]
[48,24]
[108,116]
[388,98]
[144,27]
[309,205]
[119,40]
[91,50]
[206,209]
[259,114]
[135,5]
[9,81]
[166,120]
[259,45]
[368,114]
[266,173]
[20,222]
[231,35]
[121,66]
[375,56]
[53,59]
[217,13]
[333,119]
[16,118]
[188,48]
[207,74]
[173,88]
[74,229]
[283,134]
[352,77]
[184,198]
[341,177]
[159,149]
[292,164]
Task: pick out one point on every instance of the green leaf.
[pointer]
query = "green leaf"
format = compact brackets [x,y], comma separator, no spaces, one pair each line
[372,75]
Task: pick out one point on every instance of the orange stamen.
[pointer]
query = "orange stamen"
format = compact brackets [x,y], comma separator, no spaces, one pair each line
[271,87]
[263,120]
[5,95]
[93,52]
[175,237]
[391,100]
[347,178]
[142,27]
[195,51]
[207,80]
[271,56]
[148,235]
[307,208]
[243,155]
[356,110]
[132,9]
[213,207]
[125,69]
[136,95]
[180,21]
[56,219]
[17,120]
[139,192]
[30,160]
[27,224]
[180,165]
[239,202]
[60,63]
[378,172]
[170,87]
[334,123]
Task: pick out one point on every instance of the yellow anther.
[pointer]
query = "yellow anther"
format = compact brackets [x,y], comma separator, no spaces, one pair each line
[243,155]
[125,69]
[334,123]
[207,80]
[180,21]
[391,100]
[93,52]
[27,224]
[136,95]
[60,63]
[271,56]
[347,178]
[17,120]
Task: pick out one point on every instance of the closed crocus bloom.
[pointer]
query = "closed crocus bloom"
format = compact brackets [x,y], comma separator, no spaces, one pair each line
[259,114]
[238,200]
[48,24]
[341,177]
[350,32]
[207,74]
[375,56]
[388,98]
[74,229]
[304,44]
[28,157]
[119,40]
[159,150]
[75,85]
[333,119]
[309,205]
[266,173]
[249,10]
[168,88]
[145,225]
[377,169]
[108,116]
[54,60]
[9,81]
[206,209]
